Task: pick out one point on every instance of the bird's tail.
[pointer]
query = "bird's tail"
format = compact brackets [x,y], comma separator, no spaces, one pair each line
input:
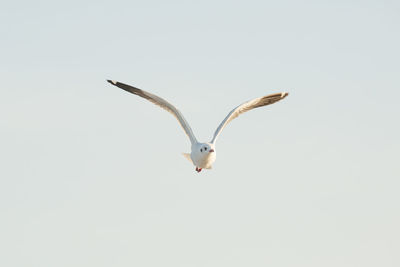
[187,156]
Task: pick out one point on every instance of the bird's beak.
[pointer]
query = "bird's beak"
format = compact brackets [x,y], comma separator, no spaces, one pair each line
[211,150]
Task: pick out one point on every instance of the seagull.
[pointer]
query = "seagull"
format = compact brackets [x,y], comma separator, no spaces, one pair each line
[202,155]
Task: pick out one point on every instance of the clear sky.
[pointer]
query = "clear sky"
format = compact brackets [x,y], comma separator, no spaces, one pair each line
[93,176]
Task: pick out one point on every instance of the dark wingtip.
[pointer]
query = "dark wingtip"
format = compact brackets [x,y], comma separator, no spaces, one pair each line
[284,94]
[112,82]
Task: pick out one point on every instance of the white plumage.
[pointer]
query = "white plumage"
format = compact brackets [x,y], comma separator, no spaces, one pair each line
[202,155]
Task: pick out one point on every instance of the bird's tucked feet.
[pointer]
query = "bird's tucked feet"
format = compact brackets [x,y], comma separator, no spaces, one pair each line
[198,169]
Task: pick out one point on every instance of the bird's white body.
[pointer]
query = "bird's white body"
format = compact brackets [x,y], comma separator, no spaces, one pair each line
[202,155]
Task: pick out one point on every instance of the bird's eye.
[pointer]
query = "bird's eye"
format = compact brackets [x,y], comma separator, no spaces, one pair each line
[201,150]
[205,149]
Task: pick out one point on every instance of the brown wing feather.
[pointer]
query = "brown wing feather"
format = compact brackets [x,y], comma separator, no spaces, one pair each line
[249,105]
[161,103]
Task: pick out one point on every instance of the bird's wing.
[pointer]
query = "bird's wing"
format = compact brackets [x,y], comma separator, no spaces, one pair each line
[249,105]
[159,102]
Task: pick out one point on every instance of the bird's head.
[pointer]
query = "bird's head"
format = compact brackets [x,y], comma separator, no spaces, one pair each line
[206,148]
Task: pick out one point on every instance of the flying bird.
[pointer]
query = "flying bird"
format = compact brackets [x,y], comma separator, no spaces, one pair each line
[202,155]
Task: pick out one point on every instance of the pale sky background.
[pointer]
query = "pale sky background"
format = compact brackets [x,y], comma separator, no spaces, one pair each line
[93,176]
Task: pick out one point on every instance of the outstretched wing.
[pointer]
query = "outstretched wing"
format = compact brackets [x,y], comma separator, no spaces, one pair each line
[159,102]
[249,105]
